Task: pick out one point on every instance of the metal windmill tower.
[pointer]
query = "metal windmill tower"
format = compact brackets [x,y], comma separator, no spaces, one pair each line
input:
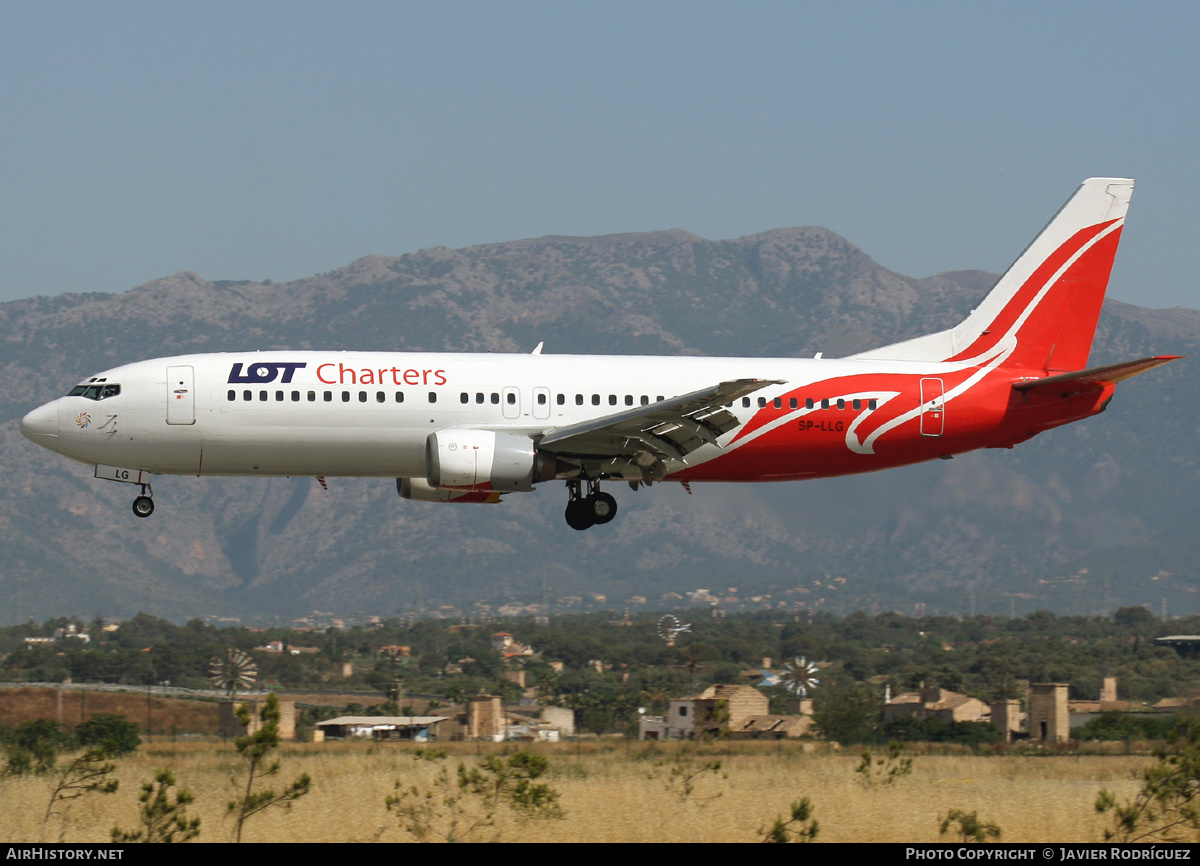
[669,627]
[799,676]
[233,672]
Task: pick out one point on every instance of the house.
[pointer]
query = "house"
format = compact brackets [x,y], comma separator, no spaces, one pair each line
[505,644]
[418,729]
[722,710]
[934,703]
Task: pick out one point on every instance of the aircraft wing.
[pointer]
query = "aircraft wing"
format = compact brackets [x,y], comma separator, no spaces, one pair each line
[646,435]
[1069,383]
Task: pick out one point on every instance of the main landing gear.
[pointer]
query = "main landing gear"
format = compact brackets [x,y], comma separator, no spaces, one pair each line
[143,506]
[584,512]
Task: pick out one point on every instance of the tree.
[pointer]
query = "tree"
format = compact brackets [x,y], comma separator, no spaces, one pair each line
[89,772]
[1167,808]
[847,713]
[163,817]
[885,770]
[689,777]
[1134,617]
[801,827]
[968,827]
[109,728]
[33,747]
[510,779]
[455,809]
[254,749]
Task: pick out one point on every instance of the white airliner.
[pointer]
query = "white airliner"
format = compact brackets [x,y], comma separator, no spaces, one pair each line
[470,427]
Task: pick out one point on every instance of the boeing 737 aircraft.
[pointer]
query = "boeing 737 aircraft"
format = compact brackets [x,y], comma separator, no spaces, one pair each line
[470,428]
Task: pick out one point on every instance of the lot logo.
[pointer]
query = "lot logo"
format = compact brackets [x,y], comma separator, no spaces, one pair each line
[83,419]
[263,373]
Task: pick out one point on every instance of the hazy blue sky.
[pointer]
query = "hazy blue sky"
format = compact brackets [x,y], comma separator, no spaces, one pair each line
[262,140]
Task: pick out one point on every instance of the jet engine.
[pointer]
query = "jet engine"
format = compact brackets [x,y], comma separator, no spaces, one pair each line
[419,490]
[485,460]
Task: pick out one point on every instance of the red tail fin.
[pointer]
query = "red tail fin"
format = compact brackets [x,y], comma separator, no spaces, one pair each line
[1042,313]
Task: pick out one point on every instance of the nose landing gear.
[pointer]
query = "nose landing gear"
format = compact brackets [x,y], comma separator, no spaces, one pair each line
[143,506]
[595,508]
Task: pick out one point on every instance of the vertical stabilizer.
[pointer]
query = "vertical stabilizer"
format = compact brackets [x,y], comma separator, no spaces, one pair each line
[1042,313]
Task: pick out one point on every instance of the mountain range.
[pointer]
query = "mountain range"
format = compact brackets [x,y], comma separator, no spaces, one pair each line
[1080,520]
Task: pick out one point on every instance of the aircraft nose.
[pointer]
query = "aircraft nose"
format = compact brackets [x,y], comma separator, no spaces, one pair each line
[41,426]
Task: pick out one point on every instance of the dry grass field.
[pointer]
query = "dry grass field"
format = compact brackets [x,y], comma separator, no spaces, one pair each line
[610,795]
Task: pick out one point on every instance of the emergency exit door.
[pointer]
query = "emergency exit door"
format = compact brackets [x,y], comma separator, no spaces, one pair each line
[933,407]
[181,396]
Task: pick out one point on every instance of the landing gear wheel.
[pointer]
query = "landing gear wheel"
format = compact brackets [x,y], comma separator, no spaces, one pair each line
[143,506]
[603,507]
[579,514]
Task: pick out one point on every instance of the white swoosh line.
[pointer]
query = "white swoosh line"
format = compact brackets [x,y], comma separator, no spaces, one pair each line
[1003,349]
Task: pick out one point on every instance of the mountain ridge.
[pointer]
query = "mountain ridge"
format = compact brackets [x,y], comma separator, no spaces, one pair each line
[994,523]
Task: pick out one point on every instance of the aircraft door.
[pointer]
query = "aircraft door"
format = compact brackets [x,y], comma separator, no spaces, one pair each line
[181,396]
[933,407]
[541,402]
[511,402]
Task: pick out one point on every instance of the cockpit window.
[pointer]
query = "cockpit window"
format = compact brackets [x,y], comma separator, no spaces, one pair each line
[95,392]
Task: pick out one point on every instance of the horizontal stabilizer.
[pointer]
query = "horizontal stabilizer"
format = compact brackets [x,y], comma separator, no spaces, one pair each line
[1096,377]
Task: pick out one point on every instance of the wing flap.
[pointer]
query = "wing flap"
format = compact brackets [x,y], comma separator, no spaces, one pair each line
[669,429]
[1096,377]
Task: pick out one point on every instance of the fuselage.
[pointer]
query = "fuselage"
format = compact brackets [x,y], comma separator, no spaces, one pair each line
[370,414]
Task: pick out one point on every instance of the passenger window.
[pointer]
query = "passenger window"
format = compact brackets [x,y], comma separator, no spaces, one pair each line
[595,399]
[808,404]
[312,396]
[762,402]
[479,397]
[295,396]
[262,395]
[510,398]
[660,398]
[464,397]
[278,396]
[628,399]
[328,396]
[645,400]
[825,403]
[380,397]
[612,399]
[541,399]
[561,399]
[433,396]
[792,402]
[362,396]
[231,396]
[399,396]
[345,396]
[841,403]
[745,402]
[857,404]
[778,402]
[495,398]
[578,399]
[247,395]
[871,404]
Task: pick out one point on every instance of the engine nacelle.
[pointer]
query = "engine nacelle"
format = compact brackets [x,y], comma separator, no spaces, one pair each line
[419,490]
[485,460]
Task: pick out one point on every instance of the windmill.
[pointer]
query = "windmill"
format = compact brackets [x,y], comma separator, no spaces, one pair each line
[669,627]
[799,676]
[233,671]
